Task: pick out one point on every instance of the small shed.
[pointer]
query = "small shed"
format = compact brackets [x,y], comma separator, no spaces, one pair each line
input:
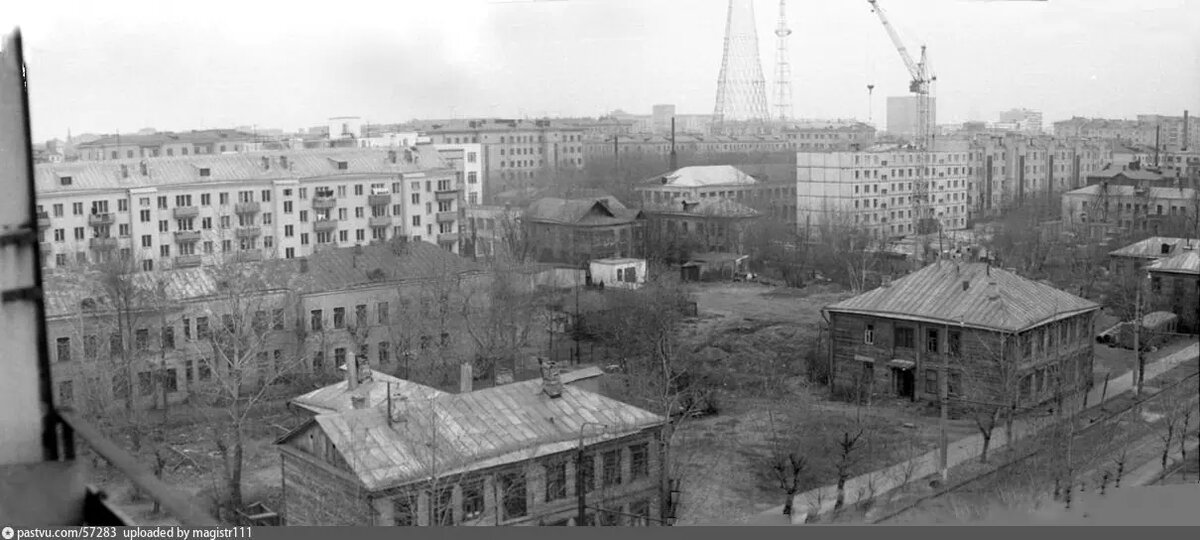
[715,265]
[622,273]
[1157,328]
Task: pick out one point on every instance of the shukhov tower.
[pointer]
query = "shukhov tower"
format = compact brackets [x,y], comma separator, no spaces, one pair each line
[741,87]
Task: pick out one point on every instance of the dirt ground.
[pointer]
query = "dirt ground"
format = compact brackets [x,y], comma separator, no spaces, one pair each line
[726,460]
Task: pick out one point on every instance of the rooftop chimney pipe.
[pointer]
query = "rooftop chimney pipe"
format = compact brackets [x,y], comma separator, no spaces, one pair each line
[551,381]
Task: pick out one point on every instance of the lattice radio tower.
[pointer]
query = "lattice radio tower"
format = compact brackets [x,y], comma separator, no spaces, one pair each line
[741,86]
[783,68]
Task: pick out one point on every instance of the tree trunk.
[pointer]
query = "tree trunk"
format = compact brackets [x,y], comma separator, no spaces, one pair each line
[787,504]
[987,442]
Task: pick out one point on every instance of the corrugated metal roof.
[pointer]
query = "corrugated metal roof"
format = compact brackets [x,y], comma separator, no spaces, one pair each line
[580,211]
[1165,193]
[461,432]
[185,170]
[168,137]
[706,207]
[705,176]
[1152,248]
[935,293]
[1185,262]
[336,397]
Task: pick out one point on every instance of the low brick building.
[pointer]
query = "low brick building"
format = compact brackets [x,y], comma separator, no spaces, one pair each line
[509,455]
[1000,339]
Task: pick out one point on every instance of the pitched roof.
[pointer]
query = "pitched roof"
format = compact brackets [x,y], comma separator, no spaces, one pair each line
[935,294]
[336,397]
[156,139]
[461,432]
[1152,248]
[225,168]
[1166,193]
[1185,262]
[331,270]
[704,176]
[580,211]
[1132,174]
[705,207]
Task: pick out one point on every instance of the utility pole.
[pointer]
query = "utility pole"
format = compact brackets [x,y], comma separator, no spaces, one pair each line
[1137,336]
[944,399]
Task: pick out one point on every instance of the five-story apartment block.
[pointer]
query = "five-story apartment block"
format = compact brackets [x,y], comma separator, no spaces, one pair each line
[181,212]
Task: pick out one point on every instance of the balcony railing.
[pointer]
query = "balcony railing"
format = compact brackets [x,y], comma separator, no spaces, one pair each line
[43,220]
[251,207]
[248,232]
[103,243]
[325,225]
[380,221]
[321,203]
[447,217]
[446,195]
[46,247]
[325,246]
[187,236]
[381,199]
[100,220]
[187,261]
[95,509]
[184,212]
[448,237]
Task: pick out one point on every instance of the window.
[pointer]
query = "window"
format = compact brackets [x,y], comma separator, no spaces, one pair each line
[319,361]
[202,331]
[404,510]
[612,468]
[512,489]
[168,338]
[954,382]
[556,481]
[383,352]
[205,199]
[145,383]
[63,346]
[869,335]
[66,392]
[441,510]
[904,337]
[381,310]
[931,381]
[360,315]
[587,465]
[315,320]
[639,457]
[472,500]
[141,339]
[339,317]
[931,340]
[416,221]
[955,343]
[77,208]
[339,356]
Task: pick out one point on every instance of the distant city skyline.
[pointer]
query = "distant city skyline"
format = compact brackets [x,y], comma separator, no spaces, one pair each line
[127,65]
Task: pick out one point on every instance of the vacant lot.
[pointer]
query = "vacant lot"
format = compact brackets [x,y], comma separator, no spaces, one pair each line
[755,337]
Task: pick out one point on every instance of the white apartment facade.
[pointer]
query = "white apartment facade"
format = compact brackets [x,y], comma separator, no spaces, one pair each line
[873,190]
[183,212]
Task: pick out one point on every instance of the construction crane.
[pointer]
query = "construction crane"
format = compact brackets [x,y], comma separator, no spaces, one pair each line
[920,86]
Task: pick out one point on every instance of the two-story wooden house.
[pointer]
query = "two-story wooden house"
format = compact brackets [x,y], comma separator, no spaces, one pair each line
[999,338]
[528,453]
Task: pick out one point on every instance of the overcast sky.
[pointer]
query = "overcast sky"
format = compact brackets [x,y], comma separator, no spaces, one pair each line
[125,65]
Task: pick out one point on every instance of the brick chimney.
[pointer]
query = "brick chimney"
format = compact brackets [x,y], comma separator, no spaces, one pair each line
[465,378]
[551,381]
[358,402]
[993,290]
[352,373]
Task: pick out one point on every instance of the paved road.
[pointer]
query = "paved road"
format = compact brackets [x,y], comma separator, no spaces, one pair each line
[821,500]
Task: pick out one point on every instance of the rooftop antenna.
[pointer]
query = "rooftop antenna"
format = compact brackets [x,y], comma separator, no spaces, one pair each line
[870,92]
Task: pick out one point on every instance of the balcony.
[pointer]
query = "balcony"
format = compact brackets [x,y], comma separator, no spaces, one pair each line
[248,232]
[46,247]
[187,261]
[446,195]
[43,220]
[447,217]
[380,221]
[249,255]
[246,207]
[448,237]
[322,247]
[100,220]
[325,225]
[381,199]
[187,236]
[185,212]
[103,243]
[324,203]
[57,491]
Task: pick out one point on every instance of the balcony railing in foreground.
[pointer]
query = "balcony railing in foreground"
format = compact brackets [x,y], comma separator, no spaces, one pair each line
[96,509]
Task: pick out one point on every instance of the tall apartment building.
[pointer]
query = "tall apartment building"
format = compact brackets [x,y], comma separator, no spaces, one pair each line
[808,136]
[1171,131]
[1024,120]
[514,152]
[902,115]
[181,212]
[872,189]
[637,147]
[165,144]
[1008,170]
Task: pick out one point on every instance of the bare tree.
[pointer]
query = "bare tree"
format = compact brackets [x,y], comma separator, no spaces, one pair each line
[240,357]
[848,456]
